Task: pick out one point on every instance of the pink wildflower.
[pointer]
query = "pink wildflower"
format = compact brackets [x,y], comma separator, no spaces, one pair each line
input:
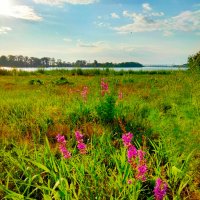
[135,157]
[141,171]
[120,95]
[127,137]
[160,189]
[62,146]
[81,145]
[141,155]
[60,138]
[131,153]
[84,93]
[104,87]
[129,181]
[79,136]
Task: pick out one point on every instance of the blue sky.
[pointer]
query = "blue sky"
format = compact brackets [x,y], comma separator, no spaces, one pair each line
[150,32]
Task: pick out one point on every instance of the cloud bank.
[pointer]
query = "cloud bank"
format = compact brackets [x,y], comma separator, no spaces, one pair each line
[148,21]
[61,2]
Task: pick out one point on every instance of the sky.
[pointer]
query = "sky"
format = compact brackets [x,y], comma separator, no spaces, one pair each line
[149,32]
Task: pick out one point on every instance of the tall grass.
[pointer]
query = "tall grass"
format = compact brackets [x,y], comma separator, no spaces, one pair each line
[161,110]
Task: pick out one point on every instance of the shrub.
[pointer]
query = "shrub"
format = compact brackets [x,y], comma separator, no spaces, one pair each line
[106,109]
[194,61]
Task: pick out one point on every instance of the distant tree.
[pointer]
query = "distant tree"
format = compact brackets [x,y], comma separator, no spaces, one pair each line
[11,60]
[194,61]
[52,62]
[95,63]
[34,62]
[59,63]
[3,61]
[45,61]
[19,61]
[80,63]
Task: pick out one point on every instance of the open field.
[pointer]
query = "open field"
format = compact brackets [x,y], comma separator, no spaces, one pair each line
[162,110]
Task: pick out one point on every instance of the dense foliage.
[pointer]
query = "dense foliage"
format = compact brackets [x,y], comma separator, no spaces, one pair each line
[194,61]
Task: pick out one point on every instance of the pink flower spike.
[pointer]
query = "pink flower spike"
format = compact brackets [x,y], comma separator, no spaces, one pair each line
[160,189]
[131,153]
[129,181]
[60,138]
[81,145]
[62,146]
[127,137]
[78,136]
[141,155]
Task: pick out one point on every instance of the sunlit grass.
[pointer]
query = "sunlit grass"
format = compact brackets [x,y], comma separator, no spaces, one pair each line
[162,108]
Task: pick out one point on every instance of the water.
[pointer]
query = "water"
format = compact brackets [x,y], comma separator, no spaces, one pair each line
[32,69]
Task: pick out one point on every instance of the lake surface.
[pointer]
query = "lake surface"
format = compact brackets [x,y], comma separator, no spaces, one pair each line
[32,69]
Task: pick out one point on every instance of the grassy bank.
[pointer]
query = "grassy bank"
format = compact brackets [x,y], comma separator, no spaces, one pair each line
[161,109]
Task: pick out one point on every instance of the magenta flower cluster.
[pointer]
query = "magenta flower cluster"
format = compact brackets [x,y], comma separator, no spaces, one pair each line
[62,146]
[104,87]
[160,189]
[84,93]
[81,145]
[135,157]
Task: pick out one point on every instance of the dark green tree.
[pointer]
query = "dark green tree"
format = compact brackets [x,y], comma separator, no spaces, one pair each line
[194,61]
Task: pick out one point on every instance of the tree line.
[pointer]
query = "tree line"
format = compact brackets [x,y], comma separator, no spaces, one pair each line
[25,61]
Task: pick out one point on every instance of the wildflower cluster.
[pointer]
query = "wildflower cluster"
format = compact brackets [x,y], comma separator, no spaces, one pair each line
[81,145]
[84,93]
[62,146]
[135,157]
[120,95]
[104,87]
[160,189]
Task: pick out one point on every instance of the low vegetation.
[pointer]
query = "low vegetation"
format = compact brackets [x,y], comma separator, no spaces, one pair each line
[99,135]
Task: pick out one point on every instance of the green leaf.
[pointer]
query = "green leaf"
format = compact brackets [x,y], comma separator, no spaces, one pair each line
[39,165]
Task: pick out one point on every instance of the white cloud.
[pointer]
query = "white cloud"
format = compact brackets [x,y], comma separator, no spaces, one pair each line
[114,16]
[146,7]
[61,2]
[21,12]
[67,39]
[25,12]
[102,24]
[4,30]
[97,45]
[167,33]
[146,22]
[157,14]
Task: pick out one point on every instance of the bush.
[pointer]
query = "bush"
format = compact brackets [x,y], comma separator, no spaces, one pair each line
[194,61]
[106,109]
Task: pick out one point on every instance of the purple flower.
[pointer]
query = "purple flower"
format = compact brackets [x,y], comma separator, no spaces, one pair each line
[81,145]
[60,138]
[127,137]
[160,189]
[62,146]
[131,153]
[142,169]
[79,136]
[141,155]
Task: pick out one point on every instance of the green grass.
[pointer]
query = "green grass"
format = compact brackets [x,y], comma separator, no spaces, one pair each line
[162,110]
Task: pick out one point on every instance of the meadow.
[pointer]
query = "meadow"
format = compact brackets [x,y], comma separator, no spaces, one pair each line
[127,135]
